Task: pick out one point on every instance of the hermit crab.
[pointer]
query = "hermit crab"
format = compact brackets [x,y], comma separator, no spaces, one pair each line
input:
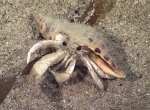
[72,42]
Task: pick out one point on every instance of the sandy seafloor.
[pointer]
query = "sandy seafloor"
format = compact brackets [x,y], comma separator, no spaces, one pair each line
[126,26]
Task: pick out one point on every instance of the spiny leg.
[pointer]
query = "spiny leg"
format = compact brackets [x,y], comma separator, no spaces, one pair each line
[62,77]
[62,64]
[66,61]
[73,57]
[99,71]
[86,60]
[106,68]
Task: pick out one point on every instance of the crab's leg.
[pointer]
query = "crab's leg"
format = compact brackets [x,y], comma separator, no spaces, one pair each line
[62,77]
[86,60]
[44,43]
[41,66]
[64,61]
[106,68]
[99,71]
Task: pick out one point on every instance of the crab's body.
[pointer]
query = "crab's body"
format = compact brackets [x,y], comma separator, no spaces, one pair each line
[78,41]
[82,34]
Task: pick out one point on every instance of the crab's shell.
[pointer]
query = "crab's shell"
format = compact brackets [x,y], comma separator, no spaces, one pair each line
[80,33]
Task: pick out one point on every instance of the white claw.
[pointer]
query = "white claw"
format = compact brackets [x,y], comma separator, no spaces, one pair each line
[42,65]
[37,71]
